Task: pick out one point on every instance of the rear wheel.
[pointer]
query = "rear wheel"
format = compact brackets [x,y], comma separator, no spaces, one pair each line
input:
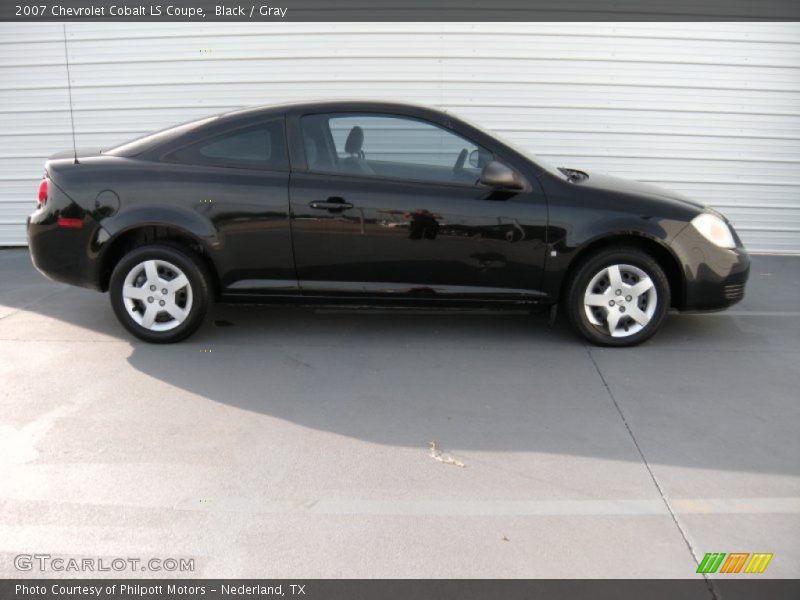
[619,297]
[160,293]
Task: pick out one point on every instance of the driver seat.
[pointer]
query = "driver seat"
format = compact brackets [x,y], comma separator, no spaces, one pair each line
[353,146]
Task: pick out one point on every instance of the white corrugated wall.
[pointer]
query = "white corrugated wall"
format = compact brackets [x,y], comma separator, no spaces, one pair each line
[708,109]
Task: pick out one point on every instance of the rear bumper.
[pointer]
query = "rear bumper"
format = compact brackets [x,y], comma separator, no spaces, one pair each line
[714,277]
[63,254]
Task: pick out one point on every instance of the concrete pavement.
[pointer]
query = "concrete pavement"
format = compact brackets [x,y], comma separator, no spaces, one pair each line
[291,442]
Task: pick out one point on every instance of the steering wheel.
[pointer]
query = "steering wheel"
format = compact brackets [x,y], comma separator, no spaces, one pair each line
[462,158]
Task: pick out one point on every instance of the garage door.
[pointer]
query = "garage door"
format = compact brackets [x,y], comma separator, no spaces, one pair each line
[708,109]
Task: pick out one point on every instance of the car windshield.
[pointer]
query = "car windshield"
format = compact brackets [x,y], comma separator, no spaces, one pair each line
[150,140]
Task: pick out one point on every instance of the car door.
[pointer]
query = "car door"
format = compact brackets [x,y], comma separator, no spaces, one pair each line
[236,177]
[391,204]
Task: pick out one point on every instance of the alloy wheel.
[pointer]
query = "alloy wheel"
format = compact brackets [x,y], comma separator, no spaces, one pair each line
[157,295]
[620,300]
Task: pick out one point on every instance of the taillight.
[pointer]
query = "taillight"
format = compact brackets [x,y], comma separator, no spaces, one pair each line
[43,192]
[68,223]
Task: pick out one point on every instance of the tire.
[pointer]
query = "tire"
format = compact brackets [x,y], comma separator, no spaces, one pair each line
[609,301]
[160,292]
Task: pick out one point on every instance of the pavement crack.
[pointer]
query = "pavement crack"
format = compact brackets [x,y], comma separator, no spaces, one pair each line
[712,589]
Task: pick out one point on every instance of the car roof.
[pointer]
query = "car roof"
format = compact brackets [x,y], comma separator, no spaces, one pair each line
[158,139]
[338,105]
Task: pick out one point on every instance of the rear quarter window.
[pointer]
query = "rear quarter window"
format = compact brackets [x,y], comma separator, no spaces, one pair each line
[159,138]
[261,146]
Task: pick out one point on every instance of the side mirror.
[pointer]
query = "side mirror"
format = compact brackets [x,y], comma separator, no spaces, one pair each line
[498,175]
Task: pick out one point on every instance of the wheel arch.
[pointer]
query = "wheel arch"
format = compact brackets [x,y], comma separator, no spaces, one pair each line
[652,246]
[143,235]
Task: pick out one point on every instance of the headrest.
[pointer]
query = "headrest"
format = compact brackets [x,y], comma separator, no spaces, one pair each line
[355,140]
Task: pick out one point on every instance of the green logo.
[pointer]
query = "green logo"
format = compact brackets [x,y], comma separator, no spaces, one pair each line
[712,562]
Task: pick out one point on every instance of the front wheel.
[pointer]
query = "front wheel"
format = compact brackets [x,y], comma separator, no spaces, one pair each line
[618,297]
[160,293]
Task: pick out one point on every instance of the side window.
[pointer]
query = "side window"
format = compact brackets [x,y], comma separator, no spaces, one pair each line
[390,146]
[261,146]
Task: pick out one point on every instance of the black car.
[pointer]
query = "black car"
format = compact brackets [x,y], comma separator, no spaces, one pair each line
[364,203]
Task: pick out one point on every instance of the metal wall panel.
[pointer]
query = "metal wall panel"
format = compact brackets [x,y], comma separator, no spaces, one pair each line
[708,109]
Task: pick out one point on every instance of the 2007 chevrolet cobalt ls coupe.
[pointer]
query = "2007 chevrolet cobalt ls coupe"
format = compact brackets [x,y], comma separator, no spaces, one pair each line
[366,203]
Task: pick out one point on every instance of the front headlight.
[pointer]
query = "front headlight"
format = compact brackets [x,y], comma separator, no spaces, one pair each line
[714,229]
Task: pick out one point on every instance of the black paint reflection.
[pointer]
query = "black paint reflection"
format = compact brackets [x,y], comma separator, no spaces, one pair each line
[423,224]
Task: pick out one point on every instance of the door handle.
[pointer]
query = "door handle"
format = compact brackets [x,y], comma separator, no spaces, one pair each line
[333,204]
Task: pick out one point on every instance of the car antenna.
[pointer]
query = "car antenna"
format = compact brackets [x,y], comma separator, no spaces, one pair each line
[69,93]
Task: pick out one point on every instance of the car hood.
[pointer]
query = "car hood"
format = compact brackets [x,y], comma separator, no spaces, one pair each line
[630,187]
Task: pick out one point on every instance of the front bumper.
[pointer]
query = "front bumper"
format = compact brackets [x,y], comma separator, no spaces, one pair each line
[714,278]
